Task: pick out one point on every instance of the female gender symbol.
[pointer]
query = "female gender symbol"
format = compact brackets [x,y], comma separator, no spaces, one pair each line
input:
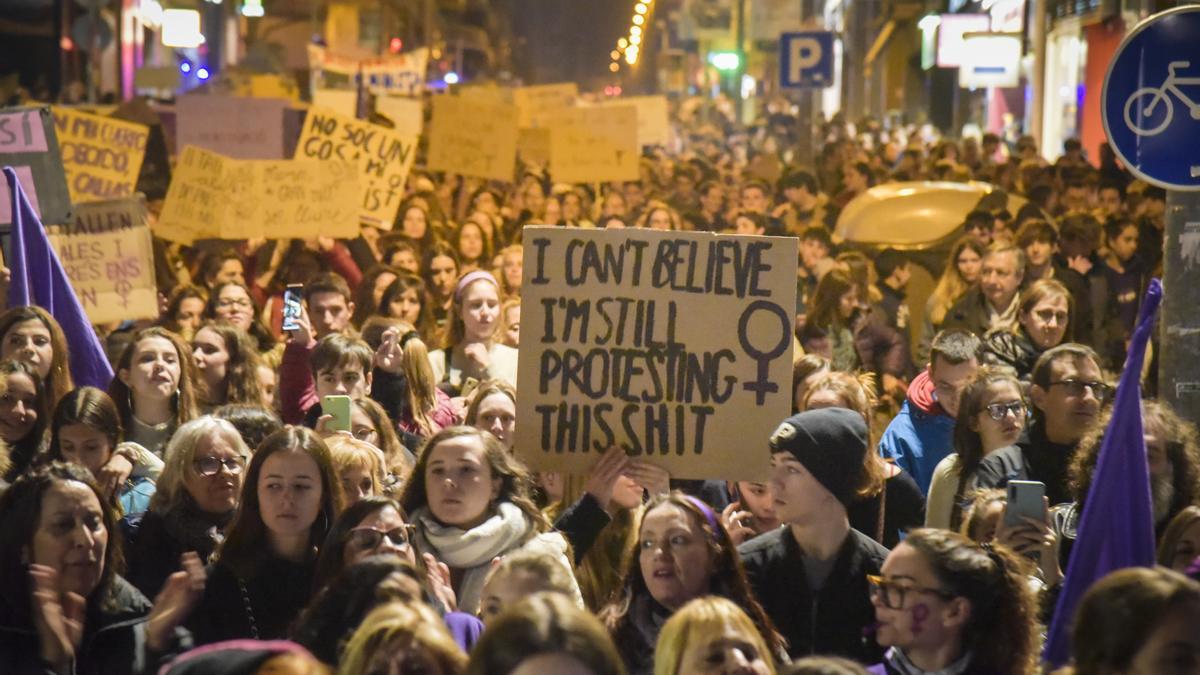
[762,385]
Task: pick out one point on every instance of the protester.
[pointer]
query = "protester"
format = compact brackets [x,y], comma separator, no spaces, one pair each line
[154,388]
[817,562]
[545,633]
[231,301]
[521,574]
[1179,545]
[472,350]
[402,637]
[961,273]
[404,383]
[993,303]
[24,416]
[226,366]
[712,635]
[264,568]
[31,335]
[1043,322]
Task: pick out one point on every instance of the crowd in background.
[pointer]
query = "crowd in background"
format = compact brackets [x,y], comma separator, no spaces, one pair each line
[201,514]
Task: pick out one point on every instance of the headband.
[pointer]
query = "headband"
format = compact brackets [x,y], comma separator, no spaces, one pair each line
[470,278]
[709,515]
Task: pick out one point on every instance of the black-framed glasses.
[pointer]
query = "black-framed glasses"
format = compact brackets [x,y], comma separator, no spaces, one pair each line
[211,466]
[369,538]
[999,411]
[892,593]
[1076,388]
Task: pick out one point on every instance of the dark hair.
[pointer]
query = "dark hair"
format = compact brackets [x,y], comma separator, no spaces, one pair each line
[826,299]
[263,338]
[90,406]
[756,185]
[759,220]
[328,282]
[1039,194]
[58,381]
[1002,631]
[728,579]
[516,483]
[364,294]
[544,623]
[1113,227]
[185,400]
[1036,231]
[799,178]
[967,442]
[427,240]
[244,548]
[1111,184]
[818,234]
[20,515]
[1079,227]
[978,219]
[175,301]
[888,261]
[1074,351]
[212,263]
[331,561]
[485,256]
[325,625]
[33,440]
[1119,613]
[439,250]
[407,282]
[1168,544]
[241,370]
[337,350]
[954,346]
[253,422]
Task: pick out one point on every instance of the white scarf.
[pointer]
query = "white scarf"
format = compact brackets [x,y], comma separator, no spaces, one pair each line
[461,549]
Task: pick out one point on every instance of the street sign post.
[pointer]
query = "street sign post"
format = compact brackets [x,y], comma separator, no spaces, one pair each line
[1151,111]
[806,60]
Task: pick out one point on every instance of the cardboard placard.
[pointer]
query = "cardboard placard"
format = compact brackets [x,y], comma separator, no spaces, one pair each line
[591,145]
[534,146]
[102,156]
[653,118]
[29,145]
[676,346]
[402,75]
[405,114]
[237,127]
[216,197]
[383,158]
[108,254]
[156,166]
[341,101]
[537,106]
[472,138]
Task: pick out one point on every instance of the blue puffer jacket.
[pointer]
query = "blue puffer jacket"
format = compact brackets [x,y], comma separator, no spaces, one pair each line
[920,435]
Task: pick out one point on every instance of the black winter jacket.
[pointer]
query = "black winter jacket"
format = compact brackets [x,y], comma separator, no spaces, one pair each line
[832,621]
[1002,347]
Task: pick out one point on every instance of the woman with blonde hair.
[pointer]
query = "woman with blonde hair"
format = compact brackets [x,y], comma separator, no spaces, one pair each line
[888,502]
[521,574]
[711,635]
[359,467]
[472,348]
[402,637]
[1179,546]
[512,266]
[963,267]
[545,633]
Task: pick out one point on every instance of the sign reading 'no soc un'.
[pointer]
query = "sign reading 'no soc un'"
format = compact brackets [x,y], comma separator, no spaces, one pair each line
[675,346]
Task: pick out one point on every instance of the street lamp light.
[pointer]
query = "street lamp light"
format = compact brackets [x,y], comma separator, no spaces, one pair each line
[724,61]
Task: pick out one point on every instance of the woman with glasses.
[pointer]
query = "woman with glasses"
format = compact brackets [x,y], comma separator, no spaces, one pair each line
[377,526]
[154,387]
[945,604]
[991,416]
[194,501]
[231,301]
[682,552]
[264,569]
[370,423]
[1043,320]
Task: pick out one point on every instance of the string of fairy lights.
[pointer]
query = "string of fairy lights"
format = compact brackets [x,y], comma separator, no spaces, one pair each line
[629,47]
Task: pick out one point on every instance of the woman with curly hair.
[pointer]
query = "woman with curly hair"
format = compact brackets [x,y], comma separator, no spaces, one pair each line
[226,365]
[946,604]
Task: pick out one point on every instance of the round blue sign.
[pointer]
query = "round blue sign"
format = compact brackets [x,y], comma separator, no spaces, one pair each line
[1151,99]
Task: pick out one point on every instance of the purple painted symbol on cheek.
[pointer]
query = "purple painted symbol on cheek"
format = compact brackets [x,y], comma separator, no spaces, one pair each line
[919,614]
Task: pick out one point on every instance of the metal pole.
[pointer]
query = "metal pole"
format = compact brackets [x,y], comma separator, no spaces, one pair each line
[1037,101]
[740,33]
[1179,349]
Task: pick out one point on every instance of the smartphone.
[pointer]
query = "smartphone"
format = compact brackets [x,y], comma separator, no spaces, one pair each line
[339,407]
[292,298]
[1026,499]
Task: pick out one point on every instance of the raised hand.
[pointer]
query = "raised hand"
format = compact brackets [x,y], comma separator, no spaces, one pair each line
[113,475]
[735,520]
[389,357]
[175,601]
[440,585]
[604,475]
[655,480]
[58,617]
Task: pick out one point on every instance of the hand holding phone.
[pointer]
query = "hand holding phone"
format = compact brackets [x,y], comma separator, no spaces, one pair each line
[293,296]
[338,407]
[1026,499]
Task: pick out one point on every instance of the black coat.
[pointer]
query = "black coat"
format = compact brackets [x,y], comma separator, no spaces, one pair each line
[114,639]
[154,553]
[831,621]
[276,593]
[1002,347]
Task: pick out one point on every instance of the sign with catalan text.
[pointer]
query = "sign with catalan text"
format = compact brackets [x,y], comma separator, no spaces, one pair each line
[102,156]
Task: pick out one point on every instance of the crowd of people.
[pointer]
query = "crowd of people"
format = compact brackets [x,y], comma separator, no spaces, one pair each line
[204,512]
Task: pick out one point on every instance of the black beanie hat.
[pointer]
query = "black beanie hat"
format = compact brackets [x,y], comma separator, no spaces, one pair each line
[831,443]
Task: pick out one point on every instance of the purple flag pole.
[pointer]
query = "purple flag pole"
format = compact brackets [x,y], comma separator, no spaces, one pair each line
[1116,529]
[38,278]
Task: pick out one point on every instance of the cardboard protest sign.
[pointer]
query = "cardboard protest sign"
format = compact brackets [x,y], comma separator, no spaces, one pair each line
[534,146]
[102,156]
[29,145]
[341,101]
[590,145]
[106,251]
[537,106]
[156,166]
[405,114]
[472,138]
[402,75]
[237,127]
[676,346]
[653,118]
[215,197]
[383,158]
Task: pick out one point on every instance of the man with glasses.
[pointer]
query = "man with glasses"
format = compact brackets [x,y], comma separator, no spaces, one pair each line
[811,576]
[1067,392]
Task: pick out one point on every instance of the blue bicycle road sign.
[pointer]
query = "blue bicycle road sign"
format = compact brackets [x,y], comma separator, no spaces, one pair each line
[1151,99]
[806,60]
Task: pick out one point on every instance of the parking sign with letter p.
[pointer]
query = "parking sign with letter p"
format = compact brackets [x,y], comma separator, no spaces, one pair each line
[806,60]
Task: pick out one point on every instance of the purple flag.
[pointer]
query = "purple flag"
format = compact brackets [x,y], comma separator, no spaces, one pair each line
[1116,529]
[38,279]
